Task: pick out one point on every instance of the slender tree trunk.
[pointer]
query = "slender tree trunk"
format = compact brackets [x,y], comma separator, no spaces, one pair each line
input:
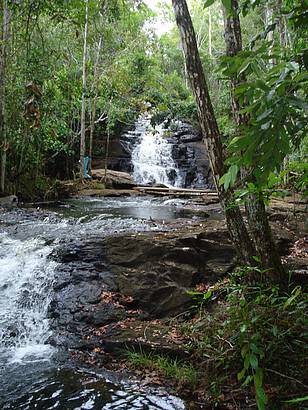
[268,21]
[256,213]
[3,64]
[285,42]
[210,32]
[210,131]
[106,156]
[84,85]
[93,104]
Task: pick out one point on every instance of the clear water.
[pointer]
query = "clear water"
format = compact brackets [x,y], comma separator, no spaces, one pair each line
[33,374]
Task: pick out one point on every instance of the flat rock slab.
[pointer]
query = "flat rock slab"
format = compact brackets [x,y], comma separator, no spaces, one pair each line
[157,270]
[151,337]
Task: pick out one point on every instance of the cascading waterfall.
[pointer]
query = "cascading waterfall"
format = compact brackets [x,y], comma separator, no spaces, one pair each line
[152,155]
[26,276]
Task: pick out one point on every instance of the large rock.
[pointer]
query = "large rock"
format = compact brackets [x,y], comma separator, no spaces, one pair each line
[115,179]
[119,157]
[157,270]
[10,200]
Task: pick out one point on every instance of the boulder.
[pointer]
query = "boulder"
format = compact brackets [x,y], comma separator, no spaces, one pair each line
[157,270]
[115,179]
[10,200]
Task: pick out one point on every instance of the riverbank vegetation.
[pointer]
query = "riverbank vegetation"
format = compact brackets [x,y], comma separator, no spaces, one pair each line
[245,344]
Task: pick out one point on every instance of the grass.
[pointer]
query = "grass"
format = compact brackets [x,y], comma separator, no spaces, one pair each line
[182,373]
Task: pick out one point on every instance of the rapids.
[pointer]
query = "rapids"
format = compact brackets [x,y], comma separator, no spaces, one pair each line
[33,373]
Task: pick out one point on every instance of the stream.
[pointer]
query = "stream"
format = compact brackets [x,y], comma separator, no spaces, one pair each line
[35,374]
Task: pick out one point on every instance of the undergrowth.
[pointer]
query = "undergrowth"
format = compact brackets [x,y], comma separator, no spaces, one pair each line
[248,347]
[252,341]
[182,373]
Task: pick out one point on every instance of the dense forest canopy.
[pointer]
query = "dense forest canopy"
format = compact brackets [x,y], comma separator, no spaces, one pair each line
[134,57]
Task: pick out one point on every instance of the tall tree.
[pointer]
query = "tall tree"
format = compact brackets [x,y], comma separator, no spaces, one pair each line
[94,97]
[84,86]
[256,213]
[3,66]
[210,131]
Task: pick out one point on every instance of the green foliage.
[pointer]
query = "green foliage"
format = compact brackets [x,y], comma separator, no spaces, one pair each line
[250,333]
[172,368]
[277,110]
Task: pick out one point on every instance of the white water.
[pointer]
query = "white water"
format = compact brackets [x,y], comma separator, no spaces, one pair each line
[26,276]
[152,156]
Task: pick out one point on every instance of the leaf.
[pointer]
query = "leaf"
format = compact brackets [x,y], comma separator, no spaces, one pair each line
[227,4]
[258,377]
[261,397]
[227,180]
[271,95]
[243,328]
[244,66]
[238,143]
[234,169]
[246,362]
[208,3]
[207,295]
[266,126]
[264,115]
[241,374]
[256,258]
[222,180]
[275,330]
[230,177]
[298,400]
[297,102]
[244,351]
[296,292]
[253,360]
[262,85]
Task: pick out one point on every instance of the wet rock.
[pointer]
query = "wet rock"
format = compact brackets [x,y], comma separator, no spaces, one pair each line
[115,179]
[78,285]
[102,314]
[151,337]
[188,152]
[157,270]
[10,200]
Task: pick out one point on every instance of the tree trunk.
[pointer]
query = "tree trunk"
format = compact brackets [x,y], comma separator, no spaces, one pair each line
[3,63]
[210,131]
[264,242]
[84,85]
[106,156]
[256,213]
[93,104]
[210,32]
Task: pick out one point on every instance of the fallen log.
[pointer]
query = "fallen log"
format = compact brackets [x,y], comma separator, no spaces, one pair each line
[165,191]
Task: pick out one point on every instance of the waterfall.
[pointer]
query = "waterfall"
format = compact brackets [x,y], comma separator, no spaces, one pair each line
[152,155]
[26,276]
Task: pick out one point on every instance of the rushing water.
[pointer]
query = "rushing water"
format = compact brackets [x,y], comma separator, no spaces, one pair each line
[26,276]
[152,156]
[33,374]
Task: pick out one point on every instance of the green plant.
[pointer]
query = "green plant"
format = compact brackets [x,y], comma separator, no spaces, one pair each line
[250,333]
[173,368]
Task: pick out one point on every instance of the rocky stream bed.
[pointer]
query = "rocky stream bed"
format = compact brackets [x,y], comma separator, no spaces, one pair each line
[104,275]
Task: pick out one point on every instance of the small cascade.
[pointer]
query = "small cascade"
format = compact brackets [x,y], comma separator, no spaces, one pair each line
[152,156]
[26,276]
